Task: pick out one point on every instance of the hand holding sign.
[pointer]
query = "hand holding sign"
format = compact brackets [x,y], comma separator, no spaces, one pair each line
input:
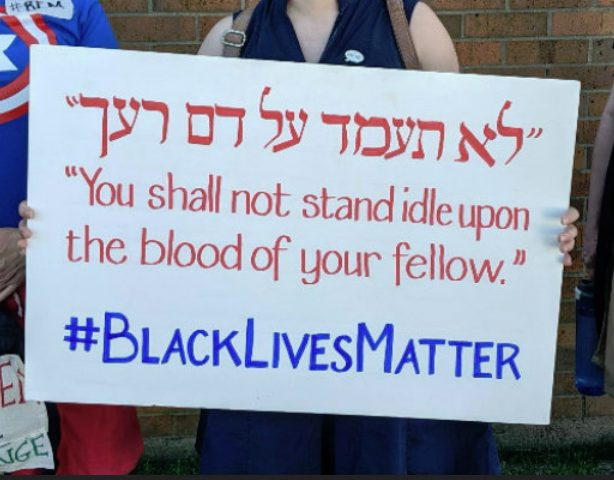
[567,239]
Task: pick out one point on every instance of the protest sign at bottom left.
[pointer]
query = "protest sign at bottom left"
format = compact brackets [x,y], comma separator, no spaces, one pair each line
[24,443]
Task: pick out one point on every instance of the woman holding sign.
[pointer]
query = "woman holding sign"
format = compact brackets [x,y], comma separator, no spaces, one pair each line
[347,32]
[93,439]
[353,33]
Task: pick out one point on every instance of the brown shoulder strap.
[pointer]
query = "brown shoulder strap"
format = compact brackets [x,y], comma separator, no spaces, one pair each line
[402,35]
[234,39]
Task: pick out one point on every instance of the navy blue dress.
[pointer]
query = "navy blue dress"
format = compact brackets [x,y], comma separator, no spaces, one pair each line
[236,442]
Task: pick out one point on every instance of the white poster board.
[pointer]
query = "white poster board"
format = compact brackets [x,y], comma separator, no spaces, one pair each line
[240,234]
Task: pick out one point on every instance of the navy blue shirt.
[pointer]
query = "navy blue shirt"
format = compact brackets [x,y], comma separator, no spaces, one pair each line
[267,443]
[362,35]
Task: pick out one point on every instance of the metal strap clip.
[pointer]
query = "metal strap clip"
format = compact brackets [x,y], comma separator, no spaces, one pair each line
[238,43]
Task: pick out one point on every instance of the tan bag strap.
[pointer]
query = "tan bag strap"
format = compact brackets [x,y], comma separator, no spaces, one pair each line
[402,35]
[234,39]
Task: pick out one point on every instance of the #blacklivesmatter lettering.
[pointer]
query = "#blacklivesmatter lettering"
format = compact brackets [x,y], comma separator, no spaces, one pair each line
[366,349]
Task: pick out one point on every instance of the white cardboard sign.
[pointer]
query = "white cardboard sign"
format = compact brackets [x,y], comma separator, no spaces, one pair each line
[259,235]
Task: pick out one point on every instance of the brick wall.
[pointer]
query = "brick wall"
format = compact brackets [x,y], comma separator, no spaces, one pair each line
[565,39]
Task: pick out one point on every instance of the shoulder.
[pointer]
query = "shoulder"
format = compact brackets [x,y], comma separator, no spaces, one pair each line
[94,29]
[85,6]
[86,11]
[433,44]
[212,45]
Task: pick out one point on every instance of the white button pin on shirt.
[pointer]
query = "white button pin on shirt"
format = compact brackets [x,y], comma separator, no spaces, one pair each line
[354,56]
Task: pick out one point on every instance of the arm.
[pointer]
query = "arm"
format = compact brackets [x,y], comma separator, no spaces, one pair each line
[604,141]
[212,45]
[433,44]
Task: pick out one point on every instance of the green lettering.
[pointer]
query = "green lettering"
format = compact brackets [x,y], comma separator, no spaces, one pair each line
[36,447]
[11,459]
[25,457]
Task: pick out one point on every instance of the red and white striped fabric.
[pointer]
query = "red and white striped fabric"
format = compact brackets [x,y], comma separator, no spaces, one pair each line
[31,29]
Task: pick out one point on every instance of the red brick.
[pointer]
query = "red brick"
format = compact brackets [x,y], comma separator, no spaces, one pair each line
[579,162]
[580,204]
[499,25]
[163,28]
[529,72]
[197,6]
[565,360]
[547,51]
[205,24]
[479,53]
[568,311]
[566,407]
[564,384]
[567,331]
[599,406]
[466,4]
[125,6]
[583,23]
[587,129]
[453,24]
[187,49]
[603,50]
[534,4]
[153,411]
[567,291]
[592,77]
[140,47]
[577,265]
[156,425]
[581,229]
[185,425]
[596,103]
[583,112]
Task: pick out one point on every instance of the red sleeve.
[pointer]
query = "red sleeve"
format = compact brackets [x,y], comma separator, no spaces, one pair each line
[98,439]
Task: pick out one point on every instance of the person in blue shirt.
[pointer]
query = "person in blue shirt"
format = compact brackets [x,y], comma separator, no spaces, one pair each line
[322,31]
[88,439]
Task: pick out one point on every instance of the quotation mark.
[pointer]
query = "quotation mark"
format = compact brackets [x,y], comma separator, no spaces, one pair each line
[535,133]
[71,171]
[521,257]
[72,101]
[81,335]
